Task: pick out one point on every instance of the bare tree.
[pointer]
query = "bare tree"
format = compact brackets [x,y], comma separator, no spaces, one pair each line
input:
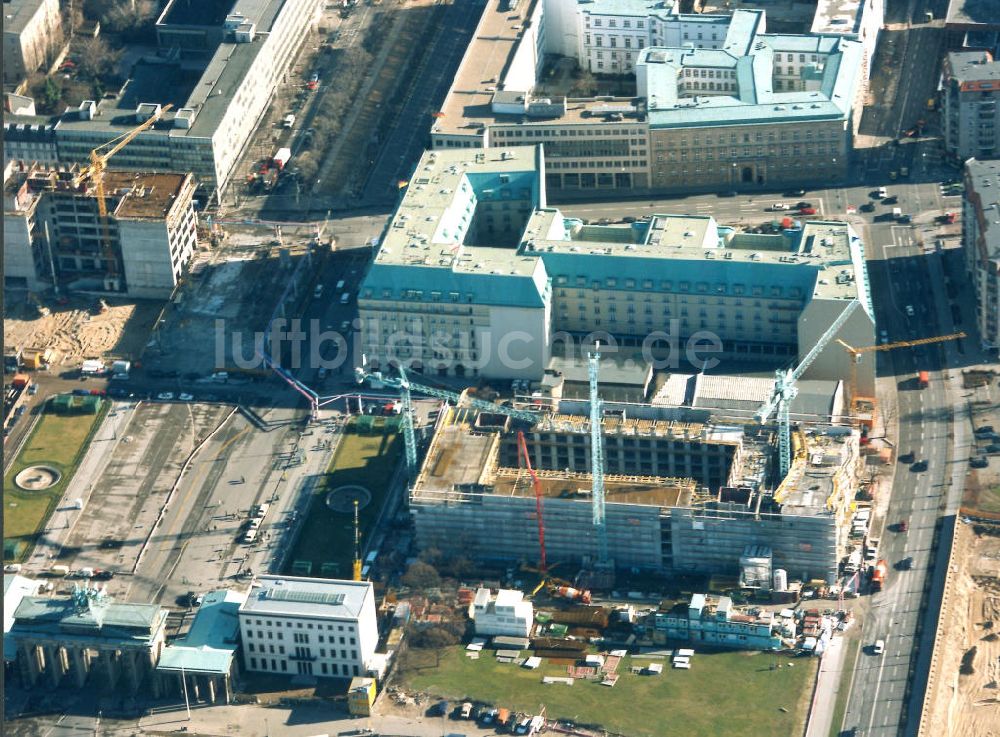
[96,58]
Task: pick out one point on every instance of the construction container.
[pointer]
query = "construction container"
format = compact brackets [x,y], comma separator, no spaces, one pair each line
[361,696]
[36,358]
[20,381]
[588,616]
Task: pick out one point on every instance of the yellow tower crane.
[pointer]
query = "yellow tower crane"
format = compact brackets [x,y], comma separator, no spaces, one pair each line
[357,544]
[95,173]
[856,354]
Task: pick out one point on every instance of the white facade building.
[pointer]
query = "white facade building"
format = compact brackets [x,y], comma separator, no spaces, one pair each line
[506,614]
[971,105]
[856,20]
[981,244]
[309,626]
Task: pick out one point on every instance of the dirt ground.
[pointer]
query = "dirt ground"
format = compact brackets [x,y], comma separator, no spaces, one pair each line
[74,333]
[970,704]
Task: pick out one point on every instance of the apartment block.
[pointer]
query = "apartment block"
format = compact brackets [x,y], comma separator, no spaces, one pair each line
[309,626]
[32,36]
[222,62]
[56,234]
[981,244]
[475,276]
[971,105]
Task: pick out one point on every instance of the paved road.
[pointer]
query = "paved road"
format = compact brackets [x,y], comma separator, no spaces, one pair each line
[903,274]
[407,134]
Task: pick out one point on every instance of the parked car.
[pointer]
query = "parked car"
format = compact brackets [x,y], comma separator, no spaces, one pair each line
[165,396]
[894,200]
[779,206]
[800,205]
[867,207]
[879,647]
[807,211]
[979,462]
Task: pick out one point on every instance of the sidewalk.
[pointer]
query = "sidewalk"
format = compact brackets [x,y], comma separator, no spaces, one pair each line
[829,681]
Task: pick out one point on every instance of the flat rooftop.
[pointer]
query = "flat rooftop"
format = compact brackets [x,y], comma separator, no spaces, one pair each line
[211,643]
[972,13]
[196,12]
[18,13]
[485,60]
[838,16]
[149,196]
[984,178]
[306,597]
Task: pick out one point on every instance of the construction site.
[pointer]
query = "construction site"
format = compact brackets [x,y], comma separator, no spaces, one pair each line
[682,493]
[963,695]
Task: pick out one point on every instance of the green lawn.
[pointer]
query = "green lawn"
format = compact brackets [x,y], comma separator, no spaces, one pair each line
[327,536]
[58,441]
[736,694]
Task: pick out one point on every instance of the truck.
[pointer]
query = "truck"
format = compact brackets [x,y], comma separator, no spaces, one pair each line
[12,360]
[282,156]
[923,379]
[120,369]
[879,574]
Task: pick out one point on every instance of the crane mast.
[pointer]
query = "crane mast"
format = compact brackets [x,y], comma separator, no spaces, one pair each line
[522,452]
[357,544]
[407,387]
[597,459]
[786,389]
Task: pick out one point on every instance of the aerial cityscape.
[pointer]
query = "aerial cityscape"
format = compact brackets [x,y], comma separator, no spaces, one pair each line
[599,368]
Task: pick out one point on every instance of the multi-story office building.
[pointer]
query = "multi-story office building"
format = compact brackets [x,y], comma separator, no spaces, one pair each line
[971,105]
[475,276]
[309,626]
[981,243]
[858,20]
[54,232]
[32,35]
[223,62]
[719,103]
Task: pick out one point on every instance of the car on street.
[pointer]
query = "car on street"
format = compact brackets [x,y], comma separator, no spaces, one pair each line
[884,337]
[906,564]
[184,397]
[807,211]
[984,430]
[890,200]
[794,193]
[33,390]
[165,396]
[909,310]
[803,204]
[905,219]
[919,467]
[104,575]
[779,206]
[867,207]
[979,462]
[903,526]
[881,193]
[879,647]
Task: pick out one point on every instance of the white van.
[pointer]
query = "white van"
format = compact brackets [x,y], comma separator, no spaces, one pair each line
[345,298]
[262,510]
[289,121]
[883,193]
[897,213]
[340,284]
[250,535]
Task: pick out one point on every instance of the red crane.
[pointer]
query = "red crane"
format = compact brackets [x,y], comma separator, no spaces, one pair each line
[522,455]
